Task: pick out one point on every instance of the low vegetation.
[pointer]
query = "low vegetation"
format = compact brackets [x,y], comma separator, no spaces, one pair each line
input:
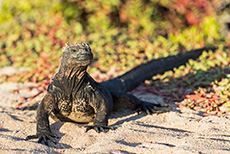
[122,34]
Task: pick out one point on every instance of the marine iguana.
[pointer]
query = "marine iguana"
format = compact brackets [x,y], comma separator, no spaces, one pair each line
[74,96]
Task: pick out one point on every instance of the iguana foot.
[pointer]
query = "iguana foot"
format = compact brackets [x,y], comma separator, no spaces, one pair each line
[151,108]
[44,137]
[99,129]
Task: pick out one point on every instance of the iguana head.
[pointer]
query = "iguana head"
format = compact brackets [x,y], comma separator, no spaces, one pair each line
[78,54]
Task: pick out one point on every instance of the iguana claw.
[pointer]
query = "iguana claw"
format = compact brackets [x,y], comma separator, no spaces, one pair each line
[151,108]
[99,129]
[44,137]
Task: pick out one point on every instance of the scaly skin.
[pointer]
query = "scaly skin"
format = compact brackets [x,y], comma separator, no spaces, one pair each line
[74,96]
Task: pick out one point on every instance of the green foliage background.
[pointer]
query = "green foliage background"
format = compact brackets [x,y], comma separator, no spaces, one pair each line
[121,33]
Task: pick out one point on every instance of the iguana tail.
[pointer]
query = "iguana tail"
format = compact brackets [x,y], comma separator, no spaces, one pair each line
[131,79]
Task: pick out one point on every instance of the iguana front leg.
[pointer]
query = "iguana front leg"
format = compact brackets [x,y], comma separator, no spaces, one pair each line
[43,128]
[103,105]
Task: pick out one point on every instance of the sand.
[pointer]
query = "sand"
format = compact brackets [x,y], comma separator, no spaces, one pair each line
[179,131]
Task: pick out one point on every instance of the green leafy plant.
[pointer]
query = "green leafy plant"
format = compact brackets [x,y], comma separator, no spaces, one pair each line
[122,34]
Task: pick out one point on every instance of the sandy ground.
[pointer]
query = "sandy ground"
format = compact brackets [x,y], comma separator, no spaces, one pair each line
[178,131]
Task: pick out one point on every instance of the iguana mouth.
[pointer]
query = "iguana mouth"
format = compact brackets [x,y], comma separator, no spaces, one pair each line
[83,62]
